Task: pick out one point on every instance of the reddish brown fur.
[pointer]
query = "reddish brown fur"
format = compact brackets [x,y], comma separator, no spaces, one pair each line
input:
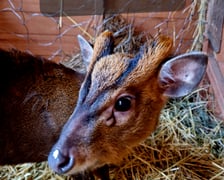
[150,100]
[36,98]
[100,142]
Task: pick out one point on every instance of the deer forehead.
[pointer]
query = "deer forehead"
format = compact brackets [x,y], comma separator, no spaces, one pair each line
[105,75]
[108,70]
[120,71]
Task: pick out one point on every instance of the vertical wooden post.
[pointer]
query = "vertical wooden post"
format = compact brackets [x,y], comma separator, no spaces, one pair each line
[215,17]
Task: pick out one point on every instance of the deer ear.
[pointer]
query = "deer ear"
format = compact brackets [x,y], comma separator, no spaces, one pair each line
[181,75]
[86,50]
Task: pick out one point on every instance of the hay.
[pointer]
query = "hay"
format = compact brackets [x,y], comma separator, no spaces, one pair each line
[188,142]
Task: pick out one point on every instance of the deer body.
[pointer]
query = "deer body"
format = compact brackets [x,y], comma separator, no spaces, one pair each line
[120,101]
[36,98]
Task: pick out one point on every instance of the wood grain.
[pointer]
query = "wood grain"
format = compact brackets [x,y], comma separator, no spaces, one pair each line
[217,81]
[215,23]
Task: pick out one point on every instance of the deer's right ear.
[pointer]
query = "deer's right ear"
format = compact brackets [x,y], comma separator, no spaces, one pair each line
[86,50]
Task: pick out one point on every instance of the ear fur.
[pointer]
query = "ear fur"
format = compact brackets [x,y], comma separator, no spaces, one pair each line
[181,75]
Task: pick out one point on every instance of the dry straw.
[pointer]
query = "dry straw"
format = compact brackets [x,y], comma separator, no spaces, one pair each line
[188,142]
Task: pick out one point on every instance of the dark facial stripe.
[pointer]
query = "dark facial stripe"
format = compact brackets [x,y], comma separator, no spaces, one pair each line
[84,89]
[109,46]
[131,66]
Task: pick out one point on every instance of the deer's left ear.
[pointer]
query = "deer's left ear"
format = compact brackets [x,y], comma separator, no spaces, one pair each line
[181,75]
[86,50]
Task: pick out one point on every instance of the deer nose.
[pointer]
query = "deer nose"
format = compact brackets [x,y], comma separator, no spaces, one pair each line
[60,162]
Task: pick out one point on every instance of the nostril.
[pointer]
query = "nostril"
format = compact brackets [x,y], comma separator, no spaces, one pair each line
[59,162]
[65,164]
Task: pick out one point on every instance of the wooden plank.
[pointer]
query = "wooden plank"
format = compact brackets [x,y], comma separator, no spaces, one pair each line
[26,23]
[37,24]
[217,81]
[21,5]
[221,65]
[34,6]
[220,55]
[46,45]
[22,27]
[43,45]
[174,29]
[215,18]
[181,35]
[215,49]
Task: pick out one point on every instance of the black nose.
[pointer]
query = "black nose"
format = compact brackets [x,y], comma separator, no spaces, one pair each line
[59,162]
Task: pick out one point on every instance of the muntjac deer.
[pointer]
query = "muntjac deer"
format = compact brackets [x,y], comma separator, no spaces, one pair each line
[118,105]
[120,100]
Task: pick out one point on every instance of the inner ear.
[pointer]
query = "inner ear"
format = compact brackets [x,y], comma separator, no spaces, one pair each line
[180,75]
[86,50]
[103,46]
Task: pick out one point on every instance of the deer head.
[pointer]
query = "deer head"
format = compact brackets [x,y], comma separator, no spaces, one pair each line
[120,101]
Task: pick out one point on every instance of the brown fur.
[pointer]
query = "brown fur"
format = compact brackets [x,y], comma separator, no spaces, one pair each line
[36,98]
[89,136]
[117,141]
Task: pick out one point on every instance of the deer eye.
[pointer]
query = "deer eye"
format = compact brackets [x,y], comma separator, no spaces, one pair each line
[123,104]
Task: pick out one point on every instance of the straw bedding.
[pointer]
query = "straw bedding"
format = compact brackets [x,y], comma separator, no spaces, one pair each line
[188,142]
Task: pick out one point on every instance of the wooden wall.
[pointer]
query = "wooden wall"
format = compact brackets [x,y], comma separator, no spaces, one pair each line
[214,46]
[23,27]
